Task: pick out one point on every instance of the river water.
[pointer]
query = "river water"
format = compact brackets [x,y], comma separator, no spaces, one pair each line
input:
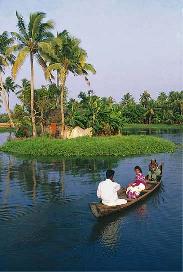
[46,223]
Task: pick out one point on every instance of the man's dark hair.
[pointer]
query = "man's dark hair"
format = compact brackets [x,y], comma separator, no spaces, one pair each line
[138,167]
[109,174]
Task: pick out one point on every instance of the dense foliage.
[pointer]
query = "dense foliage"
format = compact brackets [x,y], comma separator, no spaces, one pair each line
[59,55]
[104,115]
[87,147]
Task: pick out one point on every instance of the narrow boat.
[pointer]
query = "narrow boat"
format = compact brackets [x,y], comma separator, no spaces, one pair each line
[101,210]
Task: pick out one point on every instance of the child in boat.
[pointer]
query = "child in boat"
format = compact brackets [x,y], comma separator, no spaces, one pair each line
[134,189]
[155,171]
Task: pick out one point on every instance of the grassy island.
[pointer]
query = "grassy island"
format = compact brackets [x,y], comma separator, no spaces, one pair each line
[118,146]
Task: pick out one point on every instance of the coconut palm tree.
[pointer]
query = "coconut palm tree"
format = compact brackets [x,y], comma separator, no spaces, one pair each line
[23,94]
[10,86]
[6,58]
[29,40]
[66,56]
[127,99]
[145,98]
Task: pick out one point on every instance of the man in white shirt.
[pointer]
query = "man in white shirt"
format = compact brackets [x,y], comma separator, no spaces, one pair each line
[107,191]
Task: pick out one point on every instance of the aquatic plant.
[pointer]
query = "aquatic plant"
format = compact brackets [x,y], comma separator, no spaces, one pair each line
[118,146]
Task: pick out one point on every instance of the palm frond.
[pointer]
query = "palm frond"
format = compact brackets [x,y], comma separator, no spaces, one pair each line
[31,23]
[21,25]
[19,61]
[43,65]
[14,48]
[52,67]
[38,17]
[41,62]
[43,32]
[58,41]
[62,34]
[5,42]
[47,36]
[47,51]
[18,37]
[5,56]
[89,67]
[47,26]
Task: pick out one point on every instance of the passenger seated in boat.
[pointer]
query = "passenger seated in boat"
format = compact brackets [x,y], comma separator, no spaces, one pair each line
[155,171]
[134,188]
[107,190]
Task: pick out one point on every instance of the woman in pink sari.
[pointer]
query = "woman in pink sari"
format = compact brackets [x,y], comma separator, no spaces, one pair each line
[134,189]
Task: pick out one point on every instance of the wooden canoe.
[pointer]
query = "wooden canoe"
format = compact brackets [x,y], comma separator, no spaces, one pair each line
[101,210]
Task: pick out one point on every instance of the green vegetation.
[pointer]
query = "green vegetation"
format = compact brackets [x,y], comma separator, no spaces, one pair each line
[6,59]
[6,129]
[4,118]
[60,55]
[152,126]
[29,40]
[87,147]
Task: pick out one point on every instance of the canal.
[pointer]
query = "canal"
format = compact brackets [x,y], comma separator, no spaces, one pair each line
[46,224]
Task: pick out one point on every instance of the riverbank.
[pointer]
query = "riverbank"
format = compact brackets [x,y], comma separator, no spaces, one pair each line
[152,126]
[118,146]
[4,129]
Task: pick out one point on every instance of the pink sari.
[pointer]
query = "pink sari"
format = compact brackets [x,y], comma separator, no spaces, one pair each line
[134,189]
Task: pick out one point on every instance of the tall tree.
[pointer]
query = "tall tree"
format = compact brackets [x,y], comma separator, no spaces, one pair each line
[145,99]
[24,94]
[127,99]
[10,86]
[66,56]
[6,58]
[30,38]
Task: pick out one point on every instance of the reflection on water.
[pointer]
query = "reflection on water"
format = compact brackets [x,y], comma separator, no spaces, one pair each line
[110,233]
[108,229]
[27,182]
[46,223]
[142,210]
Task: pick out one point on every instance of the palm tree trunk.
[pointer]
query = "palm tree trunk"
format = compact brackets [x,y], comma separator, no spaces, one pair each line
[63,80]
[62,111]
[34,133]
[150,119]
[3,92]
[58,85]
[42,126]
[8,95]
[58,79]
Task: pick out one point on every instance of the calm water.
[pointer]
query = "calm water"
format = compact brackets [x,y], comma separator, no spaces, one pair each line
[46,224]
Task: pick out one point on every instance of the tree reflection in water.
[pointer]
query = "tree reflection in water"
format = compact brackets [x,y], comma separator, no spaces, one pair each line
[7,181]
[26,182]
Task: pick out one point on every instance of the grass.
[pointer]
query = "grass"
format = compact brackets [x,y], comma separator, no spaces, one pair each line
[152,126]
[6,129]
[117,146]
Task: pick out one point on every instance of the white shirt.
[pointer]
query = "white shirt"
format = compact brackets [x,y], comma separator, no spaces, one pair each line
[107,191]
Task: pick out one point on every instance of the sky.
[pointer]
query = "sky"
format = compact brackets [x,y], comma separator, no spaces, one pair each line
[134,45]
